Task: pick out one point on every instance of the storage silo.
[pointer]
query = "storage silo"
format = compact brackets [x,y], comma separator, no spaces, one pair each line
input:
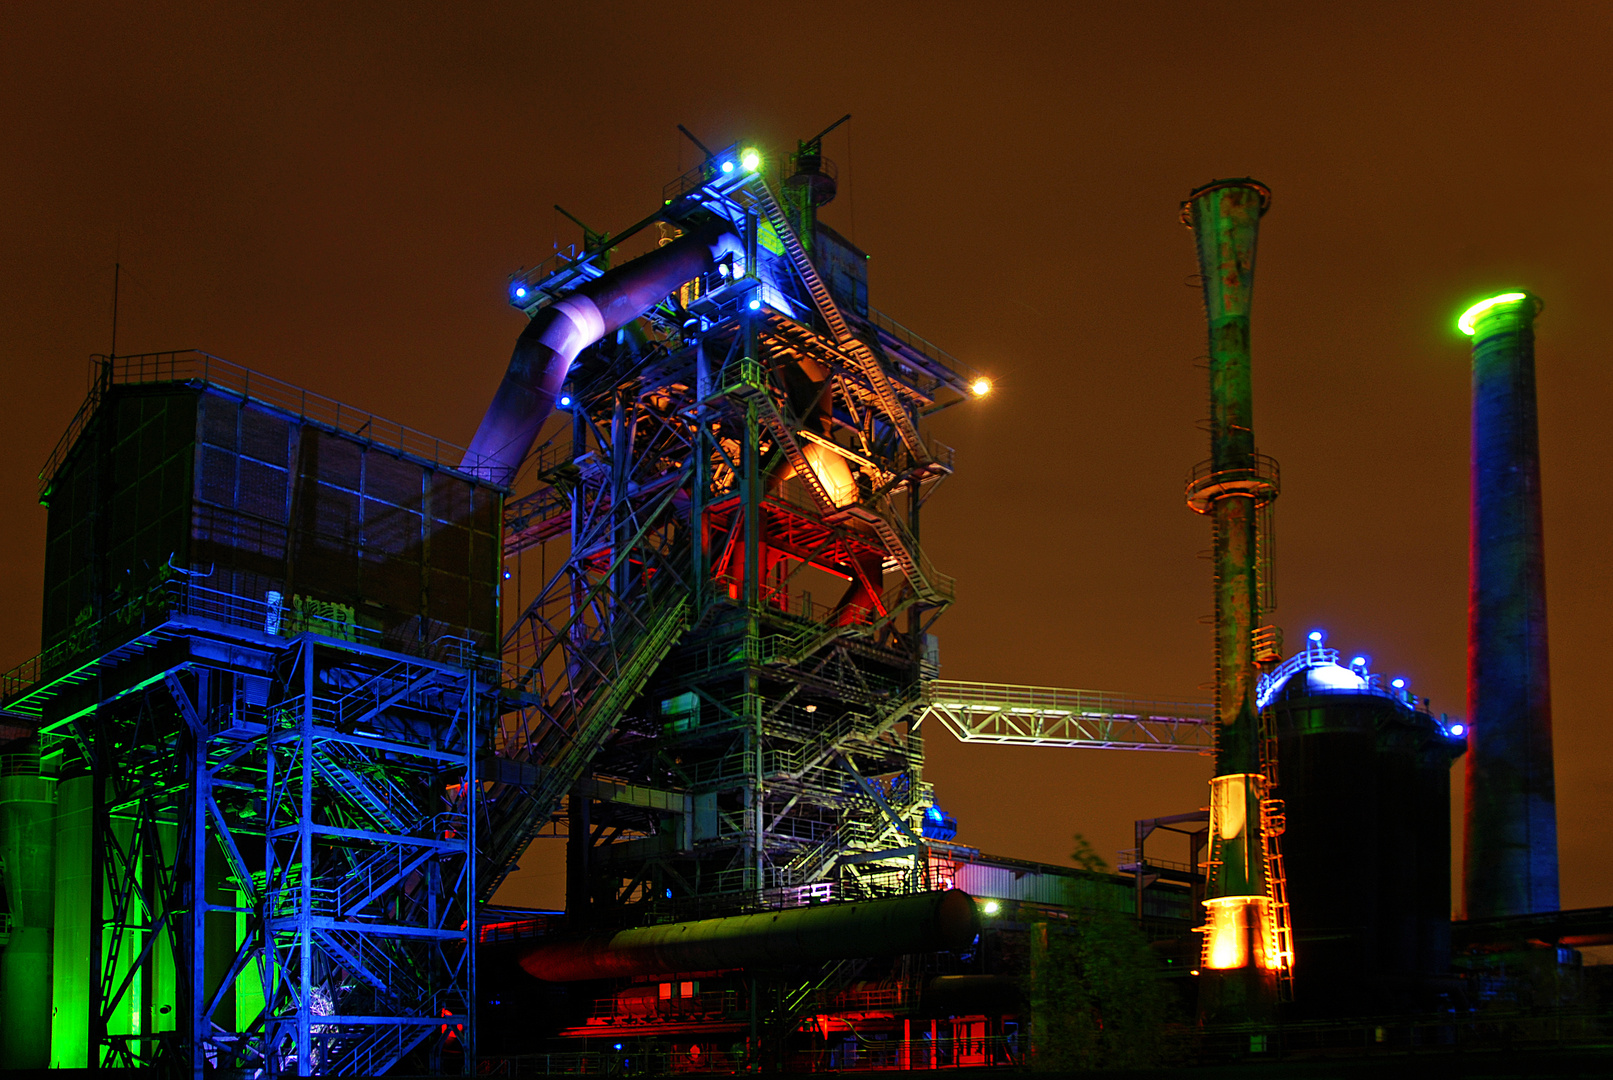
[1363,773]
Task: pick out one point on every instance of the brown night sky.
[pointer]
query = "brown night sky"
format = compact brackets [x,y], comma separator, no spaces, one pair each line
[335,195]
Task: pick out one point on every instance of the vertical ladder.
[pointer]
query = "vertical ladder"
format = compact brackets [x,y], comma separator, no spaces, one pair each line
[1273,821]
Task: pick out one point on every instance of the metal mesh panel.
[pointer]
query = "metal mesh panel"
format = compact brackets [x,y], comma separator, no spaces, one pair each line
[201,481]
[136,460]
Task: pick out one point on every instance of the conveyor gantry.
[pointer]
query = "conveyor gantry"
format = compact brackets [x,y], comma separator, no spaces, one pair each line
[1049,716]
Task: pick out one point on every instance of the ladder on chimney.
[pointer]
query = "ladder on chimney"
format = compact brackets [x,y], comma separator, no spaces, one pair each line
[1273,821]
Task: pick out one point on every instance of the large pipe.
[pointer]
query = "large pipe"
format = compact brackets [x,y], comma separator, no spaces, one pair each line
[1510,835]
[923,922]
[1240,960]
[552,340]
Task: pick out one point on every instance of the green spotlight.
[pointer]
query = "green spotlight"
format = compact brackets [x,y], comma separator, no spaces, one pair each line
[752,160]
[1470,316]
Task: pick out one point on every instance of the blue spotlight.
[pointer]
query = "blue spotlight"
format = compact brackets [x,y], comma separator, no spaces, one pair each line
[1399,684]
[1458,730]
[565,401]
[755,304]
[520,292]
[728,166]
[1316,636]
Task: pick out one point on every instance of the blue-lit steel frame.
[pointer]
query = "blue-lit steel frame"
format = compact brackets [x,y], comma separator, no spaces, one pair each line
[351,768]
[397,917]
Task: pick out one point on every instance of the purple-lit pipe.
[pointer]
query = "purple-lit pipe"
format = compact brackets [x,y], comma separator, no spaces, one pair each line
[554,337]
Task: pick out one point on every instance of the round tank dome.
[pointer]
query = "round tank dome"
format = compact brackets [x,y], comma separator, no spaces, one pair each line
[1331,678]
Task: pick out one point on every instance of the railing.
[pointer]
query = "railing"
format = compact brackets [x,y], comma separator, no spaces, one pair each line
[180,598]
[1050,700]
[921,344]
[192,365]
[712,1003]
[1129,864]
[1050,716]
[1260,481]
[23,764]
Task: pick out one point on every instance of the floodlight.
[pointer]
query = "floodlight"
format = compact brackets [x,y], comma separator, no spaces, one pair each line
[1470,316]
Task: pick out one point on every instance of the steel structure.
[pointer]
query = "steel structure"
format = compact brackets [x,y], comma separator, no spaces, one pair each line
[1246,948]
[716,688]
[1047,716]
[267,797]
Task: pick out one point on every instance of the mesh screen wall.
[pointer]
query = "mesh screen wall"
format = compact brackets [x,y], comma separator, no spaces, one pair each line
[257,501]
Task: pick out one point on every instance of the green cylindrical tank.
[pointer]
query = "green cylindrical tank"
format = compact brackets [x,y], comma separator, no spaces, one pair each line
[924,922]
[27,843]
[70,989]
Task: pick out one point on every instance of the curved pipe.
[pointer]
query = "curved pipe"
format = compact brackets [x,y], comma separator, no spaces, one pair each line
[922,922]
[551,341]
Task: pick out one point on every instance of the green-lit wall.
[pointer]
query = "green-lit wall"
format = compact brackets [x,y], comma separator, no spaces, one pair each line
[27,843]
[70,992]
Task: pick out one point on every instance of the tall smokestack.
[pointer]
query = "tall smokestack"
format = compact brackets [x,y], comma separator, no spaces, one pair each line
[1243,947]
[1510,860]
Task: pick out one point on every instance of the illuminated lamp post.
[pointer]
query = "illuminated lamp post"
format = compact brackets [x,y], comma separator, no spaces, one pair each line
[1242,952]
[1510,827]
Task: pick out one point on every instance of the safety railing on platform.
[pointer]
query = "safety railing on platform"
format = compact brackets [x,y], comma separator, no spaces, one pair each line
[183,600]
[193,365]
[921,344]
[708,1005]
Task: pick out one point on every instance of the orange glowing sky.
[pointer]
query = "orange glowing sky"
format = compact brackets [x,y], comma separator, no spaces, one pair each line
[336,195]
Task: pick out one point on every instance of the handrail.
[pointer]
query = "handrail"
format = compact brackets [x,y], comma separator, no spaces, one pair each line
[1049,716]
[193,365]
[922,344]
[182,598]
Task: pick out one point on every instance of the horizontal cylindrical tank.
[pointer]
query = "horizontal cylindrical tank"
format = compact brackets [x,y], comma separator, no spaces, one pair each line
[923,922]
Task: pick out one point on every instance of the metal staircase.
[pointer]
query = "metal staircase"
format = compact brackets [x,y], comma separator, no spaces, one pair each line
[621,664]
[767,413]
[929,584]
[869,364]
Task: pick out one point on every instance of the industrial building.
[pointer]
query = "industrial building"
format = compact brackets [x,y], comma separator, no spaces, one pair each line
[311,683]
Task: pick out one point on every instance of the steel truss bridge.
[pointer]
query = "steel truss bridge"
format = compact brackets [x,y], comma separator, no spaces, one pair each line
[1047,716]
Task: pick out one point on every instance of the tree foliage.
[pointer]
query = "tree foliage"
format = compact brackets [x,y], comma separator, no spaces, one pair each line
[1099,997]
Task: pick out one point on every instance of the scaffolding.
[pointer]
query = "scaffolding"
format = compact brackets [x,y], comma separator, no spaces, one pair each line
[267,788]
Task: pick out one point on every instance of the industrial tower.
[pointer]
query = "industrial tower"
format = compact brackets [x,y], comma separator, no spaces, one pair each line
[265,678]
[717,684]
[1510,840]
[1247,952]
